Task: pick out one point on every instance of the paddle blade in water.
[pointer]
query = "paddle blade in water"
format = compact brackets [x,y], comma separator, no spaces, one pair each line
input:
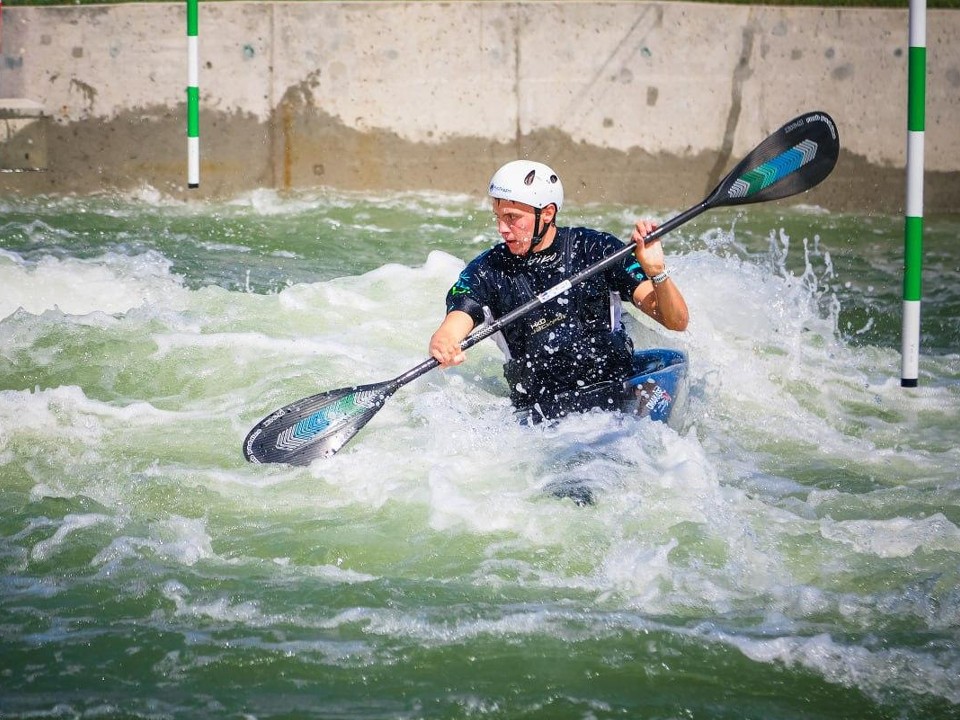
[792,160]
[315,427]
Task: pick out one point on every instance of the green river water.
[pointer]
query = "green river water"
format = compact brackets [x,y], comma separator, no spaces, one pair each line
[790,549]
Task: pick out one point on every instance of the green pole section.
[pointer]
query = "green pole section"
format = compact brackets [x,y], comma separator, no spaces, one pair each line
[913,259]
[193,95]
[913,229]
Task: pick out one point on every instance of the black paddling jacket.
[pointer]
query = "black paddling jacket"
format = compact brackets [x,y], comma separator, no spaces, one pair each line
[573,342]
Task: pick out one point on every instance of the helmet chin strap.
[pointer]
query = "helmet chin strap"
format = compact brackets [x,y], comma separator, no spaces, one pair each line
[538,232]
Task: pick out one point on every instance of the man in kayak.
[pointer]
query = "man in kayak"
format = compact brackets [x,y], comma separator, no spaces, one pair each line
[572,353]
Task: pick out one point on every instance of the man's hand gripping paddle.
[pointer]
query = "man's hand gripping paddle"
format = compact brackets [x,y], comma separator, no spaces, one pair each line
[792,160]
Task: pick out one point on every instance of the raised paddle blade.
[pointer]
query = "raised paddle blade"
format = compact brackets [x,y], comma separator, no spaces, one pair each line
[792,160]
[315,427]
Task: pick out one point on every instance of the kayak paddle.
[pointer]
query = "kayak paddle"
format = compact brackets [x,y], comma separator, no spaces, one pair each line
[795,158]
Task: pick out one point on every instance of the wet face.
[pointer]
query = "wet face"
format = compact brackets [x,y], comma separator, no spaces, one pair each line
[516,223]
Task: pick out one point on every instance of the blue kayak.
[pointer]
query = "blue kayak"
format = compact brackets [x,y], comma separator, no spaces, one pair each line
[658,385]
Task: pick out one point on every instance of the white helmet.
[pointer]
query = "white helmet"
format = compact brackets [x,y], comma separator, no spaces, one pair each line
[528,182]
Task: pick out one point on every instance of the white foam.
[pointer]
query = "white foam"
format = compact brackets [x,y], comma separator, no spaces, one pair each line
[44,549]
[45,409]
[874,672]
[894,538]
[42,413]
[111,284]
[220,608]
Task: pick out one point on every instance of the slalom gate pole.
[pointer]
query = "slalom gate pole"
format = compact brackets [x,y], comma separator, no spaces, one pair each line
[913,232]
[193,96]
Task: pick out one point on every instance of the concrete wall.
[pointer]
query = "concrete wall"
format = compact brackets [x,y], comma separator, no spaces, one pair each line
[633,102]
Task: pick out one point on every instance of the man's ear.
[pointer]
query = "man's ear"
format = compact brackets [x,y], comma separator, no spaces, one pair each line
[548,214]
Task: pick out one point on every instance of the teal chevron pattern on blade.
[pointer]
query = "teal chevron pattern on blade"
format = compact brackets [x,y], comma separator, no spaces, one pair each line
[325,420]
[765,175]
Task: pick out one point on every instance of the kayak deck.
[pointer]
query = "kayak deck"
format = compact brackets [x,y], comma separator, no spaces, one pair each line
[654,390]
[658,384]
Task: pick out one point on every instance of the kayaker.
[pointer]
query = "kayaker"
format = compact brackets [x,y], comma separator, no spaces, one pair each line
[572,353]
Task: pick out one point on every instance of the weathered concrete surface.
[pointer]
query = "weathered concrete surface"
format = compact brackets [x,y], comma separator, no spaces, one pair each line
[633,102]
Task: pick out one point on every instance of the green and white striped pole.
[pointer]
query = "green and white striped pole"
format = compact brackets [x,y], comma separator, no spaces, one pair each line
[193,96]
[913,234]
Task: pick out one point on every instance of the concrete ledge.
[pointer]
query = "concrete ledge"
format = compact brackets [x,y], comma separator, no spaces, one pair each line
[20,108]
[23,135]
